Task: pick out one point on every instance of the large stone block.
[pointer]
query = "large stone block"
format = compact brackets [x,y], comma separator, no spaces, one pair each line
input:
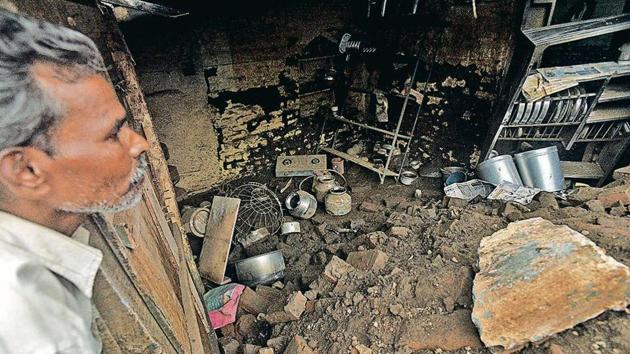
[536,279]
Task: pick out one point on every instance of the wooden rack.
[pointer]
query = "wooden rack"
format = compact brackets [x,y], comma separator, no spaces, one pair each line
[602,119]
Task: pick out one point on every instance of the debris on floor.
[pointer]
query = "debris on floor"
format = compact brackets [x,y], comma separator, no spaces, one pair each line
[537,279]
[396,273]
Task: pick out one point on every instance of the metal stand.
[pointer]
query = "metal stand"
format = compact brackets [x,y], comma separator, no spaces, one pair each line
[385,171]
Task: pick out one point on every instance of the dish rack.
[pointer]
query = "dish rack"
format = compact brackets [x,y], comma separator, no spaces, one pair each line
[595,111]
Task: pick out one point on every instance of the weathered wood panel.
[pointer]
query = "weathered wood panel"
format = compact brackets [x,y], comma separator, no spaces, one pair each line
[218,239]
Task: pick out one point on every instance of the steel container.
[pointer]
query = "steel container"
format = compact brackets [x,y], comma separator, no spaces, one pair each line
[195,220]
[301,204]
[541,169]
[408,177]
[499,169]
[263,269]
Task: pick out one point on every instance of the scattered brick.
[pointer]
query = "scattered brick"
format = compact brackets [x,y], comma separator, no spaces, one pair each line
[253,303]
[335,269]
[298,346]
[399,231]
[610,196]
[373,260]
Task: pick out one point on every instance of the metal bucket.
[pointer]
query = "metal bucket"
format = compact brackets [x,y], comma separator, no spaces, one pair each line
[541,169]
[499,169]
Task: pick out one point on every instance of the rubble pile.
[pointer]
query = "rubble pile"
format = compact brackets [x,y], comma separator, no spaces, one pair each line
[397,273]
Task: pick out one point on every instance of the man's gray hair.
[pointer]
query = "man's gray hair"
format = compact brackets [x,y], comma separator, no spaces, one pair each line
[27,112]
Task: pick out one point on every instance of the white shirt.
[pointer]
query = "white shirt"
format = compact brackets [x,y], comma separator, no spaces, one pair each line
[46,281]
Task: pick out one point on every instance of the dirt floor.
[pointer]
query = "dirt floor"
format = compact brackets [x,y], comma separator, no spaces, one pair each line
[424,289]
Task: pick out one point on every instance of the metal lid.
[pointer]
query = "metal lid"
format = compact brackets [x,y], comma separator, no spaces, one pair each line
[495,159]
[537,152]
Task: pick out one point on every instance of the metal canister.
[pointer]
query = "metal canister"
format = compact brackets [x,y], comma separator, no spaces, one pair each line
[499,169]
[195,220]
[338,202]
[541,169]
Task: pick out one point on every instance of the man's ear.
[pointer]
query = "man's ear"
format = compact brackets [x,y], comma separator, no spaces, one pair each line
[22,171]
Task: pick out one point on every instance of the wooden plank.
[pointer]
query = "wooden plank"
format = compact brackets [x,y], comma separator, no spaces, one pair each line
[616,92]
[218,239]
[358,161]
[134,97]
[609,113]
[579,169]
[574,31]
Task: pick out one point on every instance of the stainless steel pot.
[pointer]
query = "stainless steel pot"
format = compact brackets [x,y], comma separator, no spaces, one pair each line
[301,204]
[408,177]
[541,169]
[262,269]
[499,169]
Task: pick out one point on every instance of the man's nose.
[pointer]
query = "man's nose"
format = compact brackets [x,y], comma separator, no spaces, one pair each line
[137,144]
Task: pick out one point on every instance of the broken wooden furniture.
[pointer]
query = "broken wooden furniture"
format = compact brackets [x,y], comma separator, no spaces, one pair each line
[594,111]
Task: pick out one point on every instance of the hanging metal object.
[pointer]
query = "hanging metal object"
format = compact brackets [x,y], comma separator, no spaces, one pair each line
[145,6]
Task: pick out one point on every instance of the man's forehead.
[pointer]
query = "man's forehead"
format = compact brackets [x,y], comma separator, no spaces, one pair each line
[88,96]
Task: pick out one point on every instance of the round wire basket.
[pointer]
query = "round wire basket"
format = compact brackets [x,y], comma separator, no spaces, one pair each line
[259,208]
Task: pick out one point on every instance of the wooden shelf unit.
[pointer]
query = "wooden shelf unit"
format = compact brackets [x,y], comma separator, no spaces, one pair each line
[604,126]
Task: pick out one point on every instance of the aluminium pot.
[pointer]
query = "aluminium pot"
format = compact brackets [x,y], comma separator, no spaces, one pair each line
[541,169]
[499,169]
[262,269]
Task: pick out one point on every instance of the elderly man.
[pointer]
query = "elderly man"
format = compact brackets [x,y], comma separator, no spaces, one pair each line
[65,151]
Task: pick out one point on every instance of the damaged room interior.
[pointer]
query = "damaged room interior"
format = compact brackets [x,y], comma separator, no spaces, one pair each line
[366,176]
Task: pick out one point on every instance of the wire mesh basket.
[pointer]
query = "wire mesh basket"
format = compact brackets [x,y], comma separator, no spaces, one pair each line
[260,208]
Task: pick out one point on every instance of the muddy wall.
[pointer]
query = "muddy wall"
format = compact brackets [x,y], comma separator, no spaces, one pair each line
[231,88]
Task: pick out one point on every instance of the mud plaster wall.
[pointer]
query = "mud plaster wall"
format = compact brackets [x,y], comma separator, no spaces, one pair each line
[226,90]
[233,88]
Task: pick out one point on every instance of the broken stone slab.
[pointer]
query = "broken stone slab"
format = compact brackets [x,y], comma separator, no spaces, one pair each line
[372,260]
[361,349]
[335,269]
[298,346]
[537,279]
[295,305]
[595,206]
[250,349]
[446,332]
[265,351]
[278,344]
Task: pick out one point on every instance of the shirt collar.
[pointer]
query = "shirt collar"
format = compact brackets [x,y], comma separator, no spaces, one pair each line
[68,258]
